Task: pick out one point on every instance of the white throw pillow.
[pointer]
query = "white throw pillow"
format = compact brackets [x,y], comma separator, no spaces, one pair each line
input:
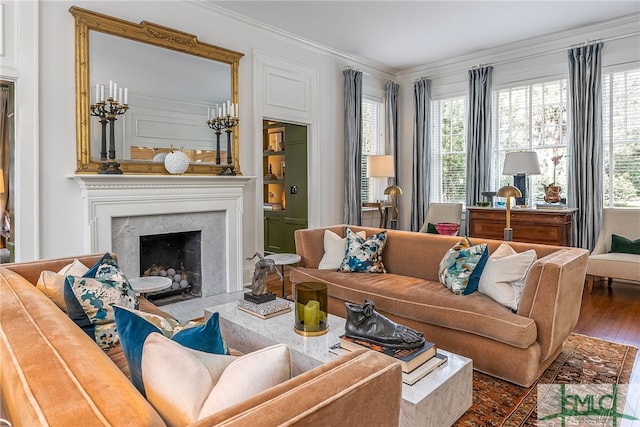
[503,276]
[335,248]
[186,385]
[52,284]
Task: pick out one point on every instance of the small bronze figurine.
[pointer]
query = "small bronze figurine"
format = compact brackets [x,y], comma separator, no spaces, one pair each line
[259,292]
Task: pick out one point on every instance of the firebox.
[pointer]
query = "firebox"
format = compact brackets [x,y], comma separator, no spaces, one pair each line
[173,255]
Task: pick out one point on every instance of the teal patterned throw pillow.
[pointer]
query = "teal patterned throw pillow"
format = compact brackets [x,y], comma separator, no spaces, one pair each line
[90,299]
[364,255]
[462,265]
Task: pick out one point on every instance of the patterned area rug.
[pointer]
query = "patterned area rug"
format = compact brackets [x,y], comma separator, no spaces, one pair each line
[583,360]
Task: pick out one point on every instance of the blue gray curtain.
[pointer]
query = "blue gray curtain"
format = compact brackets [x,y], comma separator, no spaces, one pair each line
[479,134]
[352,146]
[421,152]
[585,172]
[391,113]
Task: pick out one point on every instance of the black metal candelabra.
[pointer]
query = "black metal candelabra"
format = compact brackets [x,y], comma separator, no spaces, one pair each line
[227,123]
[217,126]
[108,111]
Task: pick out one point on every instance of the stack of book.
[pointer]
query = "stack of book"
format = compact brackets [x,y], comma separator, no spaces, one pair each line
[552,206]
[416,363]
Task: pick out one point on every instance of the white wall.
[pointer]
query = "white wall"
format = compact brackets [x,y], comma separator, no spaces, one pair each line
[542,58]
[60,212]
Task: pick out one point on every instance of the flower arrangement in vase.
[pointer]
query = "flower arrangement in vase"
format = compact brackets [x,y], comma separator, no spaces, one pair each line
[552,190]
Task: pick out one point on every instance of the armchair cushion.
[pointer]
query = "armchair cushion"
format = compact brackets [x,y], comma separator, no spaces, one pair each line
[623,245]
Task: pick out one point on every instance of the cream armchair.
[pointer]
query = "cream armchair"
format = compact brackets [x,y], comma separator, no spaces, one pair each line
[442,212]
[623,222]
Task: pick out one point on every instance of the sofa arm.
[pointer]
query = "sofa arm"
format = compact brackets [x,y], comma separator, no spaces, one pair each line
[552,296]
[360,388]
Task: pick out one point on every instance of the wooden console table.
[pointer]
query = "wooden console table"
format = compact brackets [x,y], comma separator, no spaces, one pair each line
[546,226]
[382,207]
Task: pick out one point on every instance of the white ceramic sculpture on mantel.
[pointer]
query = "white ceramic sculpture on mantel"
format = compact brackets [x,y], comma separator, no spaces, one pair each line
[160,157]
[176,162]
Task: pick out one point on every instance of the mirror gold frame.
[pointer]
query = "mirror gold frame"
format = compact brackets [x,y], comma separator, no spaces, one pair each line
[157,35]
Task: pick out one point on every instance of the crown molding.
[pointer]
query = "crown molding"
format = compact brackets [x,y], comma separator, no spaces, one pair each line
[626,26]
[365,63]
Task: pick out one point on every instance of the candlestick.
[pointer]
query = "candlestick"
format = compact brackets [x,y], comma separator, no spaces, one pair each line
[107,111]
[224,120]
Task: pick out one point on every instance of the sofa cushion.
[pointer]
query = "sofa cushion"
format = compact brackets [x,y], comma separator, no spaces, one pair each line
[462,265]
[335,248]
[364,255]
[134,326]
[90,299]
[620,244]
[503,276]
[427,302]
[185,385]
[51,283]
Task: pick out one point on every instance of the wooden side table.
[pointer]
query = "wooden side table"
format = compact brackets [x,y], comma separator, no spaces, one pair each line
[545,226]
[146,284]
[383,208]
[282,260]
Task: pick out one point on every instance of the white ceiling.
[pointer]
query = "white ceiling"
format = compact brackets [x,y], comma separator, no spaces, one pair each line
[405,34]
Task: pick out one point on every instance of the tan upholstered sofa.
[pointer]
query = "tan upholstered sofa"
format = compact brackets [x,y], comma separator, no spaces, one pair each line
[53,374]
[513,346]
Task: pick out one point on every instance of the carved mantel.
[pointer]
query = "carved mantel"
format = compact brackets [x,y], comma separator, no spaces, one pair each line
[115,196]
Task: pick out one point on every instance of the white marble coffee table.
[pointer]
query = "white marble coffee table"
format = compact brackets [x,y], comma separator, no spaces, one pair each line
[438,399]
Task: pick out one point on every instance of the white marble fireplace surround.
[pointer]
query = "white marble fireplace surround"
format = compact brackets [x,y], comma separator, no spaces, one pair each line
[120,199]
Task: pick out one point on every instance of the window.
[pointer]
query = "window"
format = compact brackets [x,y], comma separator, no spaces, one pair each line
[621,138]
[448,156]
[532,117]
[372,144]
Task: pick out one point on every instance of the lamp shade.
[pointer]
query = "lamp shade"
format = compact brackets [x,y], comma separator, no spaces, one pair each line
[521,163]
[380,166]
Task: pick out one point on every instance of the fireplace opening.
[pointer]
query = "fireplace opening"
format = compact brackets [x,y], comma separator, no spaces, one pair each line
[174,255]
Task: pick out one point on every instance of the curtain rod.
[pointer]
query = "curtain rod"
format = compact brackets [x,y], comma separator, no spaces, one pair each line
[548,52]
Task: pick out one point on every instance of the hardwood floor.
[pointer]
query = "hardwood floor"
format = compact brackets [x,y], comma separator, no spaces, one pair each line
[612,314]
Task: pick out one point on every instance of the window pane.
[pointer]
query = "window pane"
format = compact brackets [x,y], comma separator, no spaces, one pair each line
[372,144]
[621,138]
[448,159]
[533,118]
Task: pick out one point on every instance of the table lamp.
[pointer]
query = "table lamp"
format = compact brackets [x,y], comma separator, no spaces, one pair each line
[382,167]
[520,164]
[508,191]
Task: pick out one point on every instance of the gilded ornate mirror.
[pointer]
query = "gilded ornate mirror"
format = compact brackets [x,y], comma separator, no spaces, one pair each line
[175,84]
